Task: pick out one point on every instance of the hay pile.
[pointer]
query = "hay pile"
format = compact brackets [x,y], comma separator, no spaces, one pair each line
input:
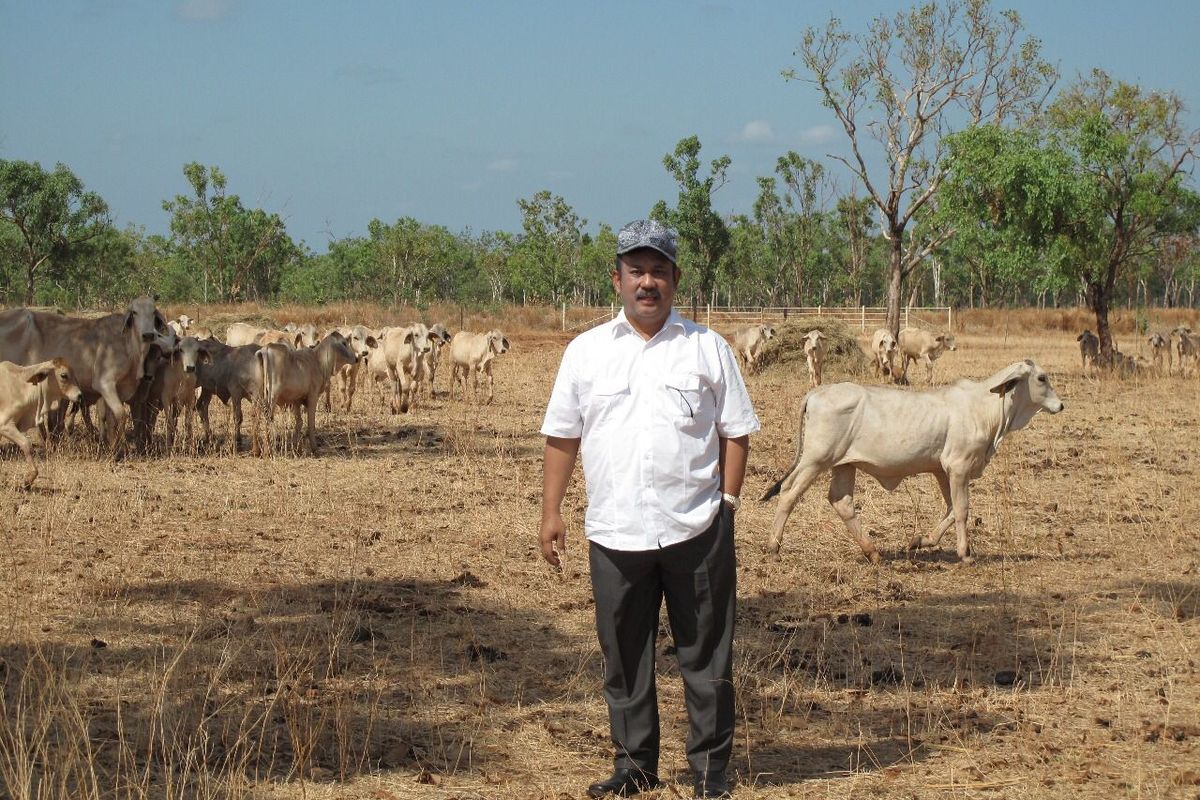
[786,350]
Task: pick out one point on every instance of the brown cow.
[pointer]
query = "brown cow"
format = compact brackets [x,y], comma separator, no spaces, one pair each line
[295,378]
[106,354]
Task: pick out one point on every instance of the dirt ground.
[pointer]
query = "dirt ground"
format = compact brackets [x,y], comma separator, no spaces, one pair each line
[376,622]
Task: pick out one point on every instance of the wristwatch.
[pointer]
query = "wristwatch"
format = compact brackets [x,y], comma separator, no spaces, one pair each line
[732,500]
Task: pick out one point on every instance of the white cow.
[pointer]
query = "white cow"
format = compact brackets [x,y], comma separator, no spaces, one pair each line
[1160,345]
[474,353]
[883,352]
[891,434]
[918,345]
[748,344]
[814,353]
[26,395]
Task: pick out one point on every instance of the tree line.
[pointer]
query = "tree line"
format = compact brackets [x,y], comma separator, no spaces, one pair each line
[974,183]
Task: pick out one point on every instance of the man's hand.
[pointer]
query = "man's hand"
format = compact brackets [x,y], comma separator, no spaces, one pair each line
[558,464]
[553,536]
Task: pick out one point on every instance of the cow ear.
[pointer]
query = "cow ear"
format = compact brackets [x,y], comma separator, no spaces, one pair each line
[408,336]
[372,341]
[1003,381]
[41,375]
[298,340]
[128,320]
[203,356]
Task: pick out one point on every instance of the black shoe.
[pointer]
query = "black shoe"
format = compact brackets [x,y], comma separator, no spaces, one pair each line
[712,784]
[625,783]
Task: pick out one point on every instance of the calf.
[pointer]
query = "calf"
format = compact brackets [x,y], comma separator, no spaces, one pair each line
[403,350]
[232,375]
[883,353]
[474,353]
[748,344]
[1160,345]
[179,384]
[917,345]
[26,395]
[891,434]
[814,353]
[438,336]
[362,341]
[1187,348]
[1089,350]
[297,378]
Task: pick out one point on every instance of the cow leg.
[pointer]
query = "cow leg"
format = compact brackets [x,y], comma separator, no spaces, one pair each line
[298,410]
[172,412]
[929,370]
[14,434]
[960,493]
[312,425]
[933,539]
[114,421]
[487,370]
[841,497]
[791,494]
[188,411]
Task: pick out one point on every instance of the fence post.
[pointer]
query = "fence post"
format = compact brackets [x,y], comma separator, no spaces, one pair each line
[564,316]
[612,310]
[906,316]
[708,315]
[818,311]
[950,319]
[863,319]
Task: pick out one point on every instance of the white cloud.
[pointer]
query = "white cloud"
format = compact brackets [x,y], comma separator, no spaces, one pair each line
[818,134]
[202,10]
[503,165]
[756,131]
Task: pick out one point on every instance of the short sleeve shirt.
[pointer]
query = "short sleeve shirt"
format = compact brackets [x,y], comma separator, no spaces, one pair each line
[649,415]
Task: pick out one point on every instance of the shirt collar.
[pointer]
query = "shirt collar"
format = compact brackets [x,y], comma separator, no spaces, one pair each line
[622,325]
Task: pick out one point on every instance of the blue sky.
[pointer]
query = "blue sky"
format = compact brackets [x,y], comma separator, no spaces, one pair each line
[334,113]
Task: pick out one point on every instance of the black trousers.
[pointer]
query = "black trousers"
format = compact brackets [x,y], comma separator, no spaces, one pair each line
[698,578]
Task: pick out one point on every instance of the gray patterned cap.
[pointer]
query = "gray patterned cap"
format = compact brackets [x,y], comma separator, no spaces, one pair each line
[646,233]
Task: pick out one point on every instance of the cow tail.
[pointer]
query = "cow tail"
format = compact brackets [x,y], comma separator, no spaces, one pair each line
[774,490]
[264,376]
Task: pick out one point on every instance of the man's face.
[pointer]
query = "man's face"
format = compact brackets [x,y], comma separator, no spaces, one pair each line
[646,282]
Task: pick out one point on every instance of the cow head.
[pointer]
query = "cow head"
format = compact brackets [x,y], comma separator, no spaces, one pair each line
[497,342]
[439,330]
[946,341]
[144,318]
[768,331]
[420,338]
[1157,341]
[343,353]
[1030,388]
[362,341]
[61,379]
[814,340]
[190,353]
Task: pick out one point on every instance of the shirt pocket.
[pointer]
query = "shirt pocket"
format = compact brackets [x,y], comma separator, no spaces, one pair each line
[682,400]
[607,398]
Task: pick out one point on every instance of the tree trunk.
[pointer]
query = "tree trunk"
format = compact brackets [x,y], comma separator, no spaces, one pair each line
[896,284]
[30,271]
[1098,299]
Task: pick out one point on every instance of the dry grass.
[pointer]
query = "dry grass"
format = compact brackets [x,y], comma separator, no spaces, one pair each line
[376,622]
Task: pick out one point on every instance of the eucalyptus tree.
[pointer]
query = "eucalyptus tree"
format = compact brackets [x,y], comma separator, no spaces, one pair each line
[901,86]
[1132,153]
[51,216]
[550,248]
[241,252]
[703,236]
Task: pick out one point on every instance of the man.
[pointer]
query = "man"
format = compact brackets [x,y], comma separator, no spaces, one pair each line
[657,407]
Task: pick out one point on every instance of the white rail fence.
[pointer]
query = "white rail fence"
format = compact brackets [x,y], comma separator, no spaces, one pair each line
[866,318]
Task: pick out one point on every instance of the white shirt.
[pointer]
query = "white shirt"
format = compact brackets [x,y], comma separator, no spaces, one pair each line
[649,414]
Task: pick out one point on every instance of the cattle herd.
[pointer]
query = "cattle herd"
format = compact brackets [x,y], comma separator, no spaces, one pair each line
[134,365]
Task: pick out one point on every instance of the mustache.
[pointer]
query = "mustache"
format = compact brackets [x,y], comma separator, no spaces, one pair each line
[647,294]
